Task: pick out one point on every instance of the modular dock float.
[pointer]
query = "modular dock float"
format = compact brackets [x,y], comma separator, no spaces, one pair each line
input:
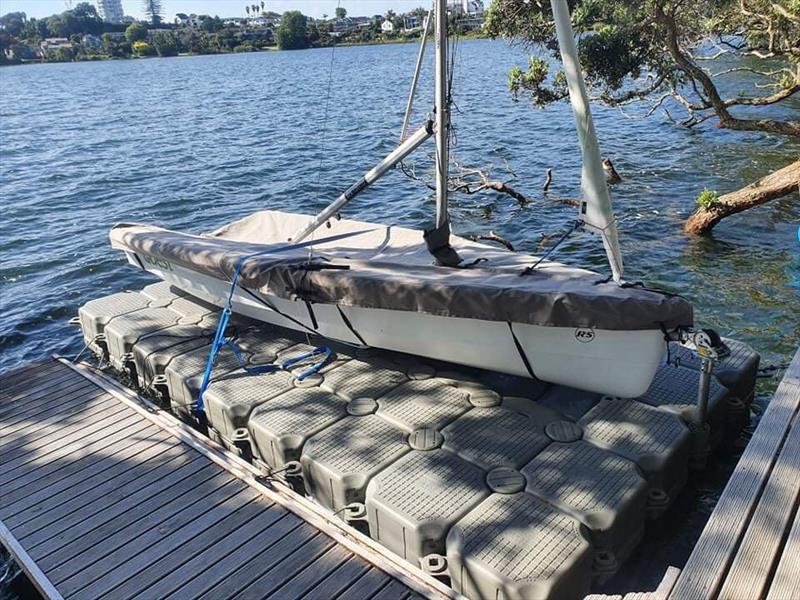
[375,476]
[104,496]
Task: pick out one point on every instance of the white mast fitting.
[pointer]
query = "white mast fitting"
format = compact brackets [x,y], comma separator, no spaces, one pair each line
[595,210]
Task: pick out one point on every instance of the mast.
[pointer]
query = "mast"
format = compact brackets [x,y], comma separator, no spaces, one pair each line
[595,210]
[442,112]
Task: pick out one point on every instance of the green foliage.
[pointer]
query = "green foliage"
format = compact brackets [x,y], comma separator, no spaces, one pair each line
[153,10]
[634,50]
[136,32]
[292,32]
[707,199]
[13,23]
[535,81]
[341,12]
[165,43]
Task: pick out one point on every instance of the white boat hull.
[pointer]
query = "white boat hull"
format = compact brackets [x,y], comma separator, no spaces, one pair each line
[618,363]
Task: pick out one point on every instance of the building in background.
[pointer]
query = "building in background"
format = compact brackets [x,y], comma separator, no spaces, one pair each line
[110,10]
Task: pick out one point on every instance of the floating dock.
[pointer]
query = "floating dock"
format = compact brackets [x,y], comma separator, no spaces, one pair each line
[466,483]
[104,496]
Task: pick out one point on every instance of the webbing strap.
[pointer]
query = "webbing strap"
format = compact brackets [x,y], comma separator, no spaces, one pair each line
[521,351]
[219,338]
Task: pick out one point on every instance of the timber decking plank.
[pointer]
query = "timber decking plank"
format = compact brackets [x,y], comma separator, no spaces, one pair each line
[26,377]
[202,549]
[52,471]
[273,575]
[105,497]
[708,563]
[313,574]
[749,575]
[203,511]
[105,524]
[12,469]
[46,396]
[37,411]
[394,590]
[15,376]
[138,438]
[43,435]
[52,496]
[365,586]
[786,583]
[337,581]
[248,559]
[211,565]
[42,389]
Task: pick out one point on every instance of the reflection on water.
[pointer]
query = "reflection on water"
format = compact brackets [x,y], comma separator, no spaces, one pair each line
[191,143]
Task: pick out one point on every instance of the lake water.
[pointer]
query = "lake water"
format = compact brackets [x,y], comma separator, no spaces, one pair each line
[191,143]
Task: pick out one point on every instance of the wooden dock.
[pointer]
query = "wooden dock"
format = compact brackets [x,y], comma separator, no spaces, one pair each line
[750,547]
[103,495]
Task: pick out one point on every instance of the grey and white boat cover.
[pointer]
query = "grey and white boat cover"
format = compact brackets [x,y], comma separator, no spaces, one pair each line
[387,267]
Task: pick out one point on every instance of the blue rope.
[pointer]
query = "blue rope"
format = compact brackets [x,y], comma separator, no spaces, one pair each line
[220,340]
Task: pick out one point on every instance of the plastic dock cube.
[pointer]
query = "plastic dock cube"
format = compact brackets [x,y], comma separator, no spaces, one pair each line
[339,461]
[656,440]
[231,397]
[364,378]
[413,503]
[602,490]
[736,371]
[675,389]
[422,403]
[279,428]
[497,437]
[152,354]
[124,331]
[95,315]
[515,547]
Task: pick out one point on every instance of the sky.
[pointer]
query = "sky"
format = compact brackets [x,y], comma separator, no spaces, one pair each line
[223,8]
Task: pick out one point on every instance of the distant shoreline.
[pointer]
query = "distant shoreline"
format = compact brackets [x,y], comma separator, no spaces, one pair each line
[472,35]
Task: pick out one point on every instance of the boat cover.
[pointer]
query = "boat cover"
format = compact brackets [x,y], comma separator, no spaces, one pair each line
[389,267]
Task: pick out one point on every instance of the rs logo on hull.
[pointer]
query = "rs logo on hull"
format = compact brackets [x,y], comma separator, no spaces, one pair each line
[584,335]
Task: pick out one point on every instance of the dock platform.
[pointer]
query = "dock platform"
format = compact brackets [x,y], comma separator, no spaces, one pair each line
[102,495]
[750,546]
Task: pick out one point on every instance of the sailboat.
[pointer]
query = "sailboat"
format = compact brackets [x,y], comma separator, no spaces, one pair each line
[431,293]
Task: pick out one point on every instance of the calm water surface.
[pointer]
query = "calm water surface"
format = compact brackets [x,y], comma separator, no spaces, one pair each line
[192,143]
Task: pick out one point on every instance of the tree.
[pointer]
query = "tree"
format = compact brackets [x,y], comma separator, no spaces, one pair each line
[664,53]
[247,10]
[291,33]
[341,12]
[165,43]
[262,6]
[13,23]
[657,51]
[136,32]
[153,10]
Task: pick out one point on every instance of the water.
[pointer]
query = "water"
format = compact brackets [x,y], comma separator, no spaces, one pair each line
[192,143]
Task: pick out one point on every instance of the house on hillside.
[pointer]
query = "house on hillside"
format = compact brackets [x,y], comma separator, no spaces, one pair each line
[50,45]
[387,27]
[345,25]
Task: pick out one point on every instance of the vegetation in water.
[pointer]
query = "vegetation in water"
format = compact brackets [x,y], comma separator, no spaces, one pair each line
[707,199]
[664,55]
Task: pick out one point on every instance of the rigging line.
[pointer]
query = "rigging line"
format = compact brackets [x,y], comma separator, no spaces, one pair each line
[572,229]
[324,131]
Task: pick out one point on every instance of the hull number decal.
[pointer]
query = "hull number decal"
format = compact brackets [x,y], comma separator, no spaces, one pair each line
[159,263]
